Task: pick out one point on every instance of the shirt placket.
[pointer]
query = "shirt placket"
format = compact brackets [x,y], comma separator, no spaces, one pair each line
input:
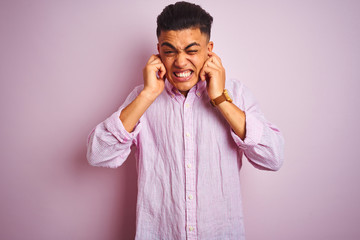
[190,165]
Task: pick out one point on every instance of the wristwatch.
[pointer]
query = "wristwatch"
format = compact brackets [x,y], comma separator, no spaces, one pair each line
[223,97]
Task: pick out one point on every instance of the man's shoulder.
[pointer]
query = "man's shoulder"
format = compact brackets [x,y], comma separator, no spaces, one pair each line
[133,94]
[138,88]
[234,85]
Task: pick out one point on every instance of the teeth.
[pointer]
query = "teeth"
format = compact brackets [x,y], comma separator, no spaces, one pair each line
[183,74]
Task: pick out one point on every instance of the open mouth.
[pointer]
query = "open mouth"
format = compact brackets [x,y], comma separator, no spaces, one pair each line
[184,75]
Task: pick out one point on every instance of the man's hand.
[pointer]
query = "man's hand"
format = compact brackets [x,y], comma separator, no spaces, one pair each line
[154,83]
[154,77]
[214,73]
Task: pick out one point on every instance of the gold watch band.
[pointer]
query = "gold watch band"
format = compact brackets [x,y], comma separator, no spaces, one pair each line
[223,97]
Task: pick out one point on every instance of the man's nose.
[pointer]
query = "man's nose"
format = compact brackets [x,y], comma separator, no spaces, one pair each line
[181,60]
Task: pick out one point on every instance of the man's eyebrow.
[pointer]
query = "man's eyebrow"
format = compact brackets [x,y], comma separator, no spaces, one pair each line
[192,44]
[188,46]
[168,44]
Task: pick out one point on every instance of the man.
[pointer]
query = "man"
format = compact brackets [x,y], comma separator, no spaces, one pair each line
[190,135]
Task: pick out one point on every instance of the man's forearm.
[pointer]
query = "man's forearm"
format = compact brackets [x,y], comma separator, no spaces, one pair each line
[235,117]
[130,115]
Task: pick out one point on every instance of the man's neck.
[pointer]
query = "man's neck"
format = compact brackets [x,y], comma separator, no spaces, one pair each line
[184,93]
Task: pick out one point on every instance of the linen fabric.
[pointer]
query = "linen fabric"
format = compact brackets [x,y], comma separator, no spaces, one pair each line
[188,161]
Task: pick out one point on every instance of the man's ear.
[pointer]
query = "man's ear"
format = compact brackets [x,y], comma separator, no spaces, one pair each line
[158,48]
[210,46]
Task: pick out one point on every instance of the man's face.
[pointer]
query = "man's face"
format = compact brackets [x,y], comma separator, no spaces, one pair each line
[183,52]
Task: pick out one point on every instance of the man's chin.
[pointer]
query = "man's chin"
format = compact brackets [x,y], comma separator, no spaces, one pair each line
[184,86]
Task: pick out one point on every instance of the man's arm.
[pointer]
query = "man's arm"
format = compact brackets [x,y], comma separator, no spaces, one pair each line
[110,142]
[153,86]
[261,142]
[214,73]
[235,117]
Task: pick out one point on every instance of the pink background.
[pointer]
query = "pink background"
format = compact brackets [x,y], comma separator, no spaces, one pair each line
[67,65]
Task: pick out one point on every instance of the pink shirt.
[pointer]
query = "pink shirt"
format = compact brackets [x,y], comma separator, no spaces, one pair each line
[188,162]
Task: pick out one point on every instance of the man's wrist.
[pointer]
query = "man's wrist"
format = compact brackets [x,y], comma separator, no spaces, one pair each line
[148,96]
[224,96]
[217,94]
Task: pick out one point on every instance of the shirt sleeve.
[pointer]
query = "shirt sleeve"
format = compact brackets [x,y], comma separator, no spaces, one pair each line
[109,144]
[263,145]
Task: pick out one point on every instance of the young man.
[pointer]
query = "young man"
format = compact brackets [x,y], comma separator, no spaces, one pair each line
[191,127]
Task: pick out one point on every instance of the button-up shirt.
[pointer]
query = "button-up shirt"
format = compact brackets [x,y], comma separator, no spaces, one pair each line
[188,161]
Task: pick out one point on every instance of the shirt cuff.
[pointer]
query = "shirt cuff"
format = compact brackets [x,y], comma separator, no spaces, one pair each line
[114,125]
[254,131]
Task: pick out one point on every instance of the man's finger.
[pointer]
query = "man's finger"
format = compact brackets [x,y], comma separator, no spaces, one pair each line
[208,71]
[216,60]
[161,70]
[212,65]
[153,58]
[202,74]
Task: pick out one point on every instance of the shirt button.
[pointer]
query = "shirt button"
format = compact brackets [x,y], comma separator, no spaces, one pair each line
[198,94]
[191,228]
[188,134]
[189,165]
[191,197]
[187,105]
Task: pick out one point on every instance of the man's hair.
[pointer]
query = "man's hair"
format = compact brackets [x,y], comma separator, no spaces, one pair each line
[184,15]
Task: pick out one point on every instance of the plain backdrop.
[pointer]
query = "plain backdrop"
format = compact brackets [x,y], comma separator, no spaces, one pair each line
[67,65]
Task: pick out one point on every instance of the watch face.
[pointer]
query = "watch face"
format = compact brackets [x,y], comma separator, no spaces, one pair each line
[227,96]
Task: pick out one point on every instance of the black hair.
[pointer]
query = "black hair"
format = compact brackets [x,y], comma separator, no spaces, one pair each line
[184,15]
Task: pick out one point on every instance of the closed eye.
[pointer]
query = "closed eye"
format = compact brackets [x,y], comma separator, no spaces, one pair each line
[169,52]
[192,51]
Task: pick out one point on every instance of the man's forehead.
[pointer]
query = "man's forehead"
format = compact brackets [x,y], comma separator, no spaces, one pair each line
[182,38]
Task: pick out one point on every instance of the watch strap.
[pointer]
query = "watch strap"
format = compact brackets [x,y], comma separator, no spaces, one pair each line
[223,97]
